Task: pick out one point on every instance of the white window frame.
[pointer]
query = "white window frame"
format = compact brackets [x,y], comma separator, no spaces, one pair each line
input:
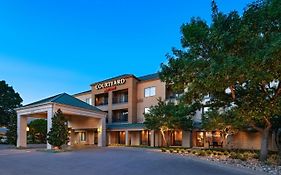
[149,91]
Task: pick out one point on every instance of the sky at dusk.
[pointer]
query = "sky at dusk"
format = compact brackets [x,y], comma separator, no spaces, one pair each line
[49,47]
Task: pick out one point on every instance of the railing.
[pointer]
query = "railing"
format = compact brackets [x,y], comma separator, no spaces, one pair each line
[120,118]
[120,99]
[102,103]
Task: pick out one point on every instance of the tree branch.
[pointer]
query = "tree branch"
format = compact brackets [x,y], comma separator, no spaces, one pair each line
[267,122]
[278,91]
[256,128]
[232,92]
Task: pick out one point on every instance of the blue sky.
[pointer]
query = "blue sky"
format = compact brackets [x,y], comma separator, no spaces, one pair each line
[49,47]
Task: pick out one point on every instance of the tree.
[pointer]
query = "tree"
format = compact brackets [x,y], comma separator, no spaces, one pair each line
[9,100]
[276,127]
[226,122]
[235,61]
[38,130]
[167,117]
[12,130]
[58,135]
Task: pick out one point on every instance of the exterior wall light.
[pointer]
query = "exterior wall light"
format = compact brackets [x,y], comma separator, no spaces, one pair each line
[27,128]
[99,130]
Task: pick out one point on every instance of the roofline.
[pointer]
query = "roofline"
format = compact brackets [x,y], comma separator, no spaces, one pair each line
[152,79]
[125,75]
[52,103]
[35,105]
[83,92]
[109,79]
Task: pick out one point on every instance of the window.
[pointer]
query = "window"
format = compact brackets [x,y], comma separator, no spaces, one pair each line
[83,136]
[146,110]
[120,116]
[150,91]
[89,101]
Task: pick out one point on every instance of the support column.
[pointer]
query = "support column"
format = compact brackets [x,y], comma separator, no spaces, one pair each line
[21,130]
[49,124]
[186,139]
[152,140]
[109,113]
[101,132]
[127,138]
[156,136]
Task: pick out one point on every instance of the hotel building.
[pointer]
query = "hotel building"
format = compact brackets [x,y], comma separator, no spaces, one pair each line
[126,98]
[112,113]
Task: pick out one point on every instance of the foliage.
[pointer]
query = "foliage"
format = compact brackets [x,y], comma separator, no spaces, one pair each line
[12,130]
[38,130]
[236,62]
[58,135]
[9,100]
[168,117]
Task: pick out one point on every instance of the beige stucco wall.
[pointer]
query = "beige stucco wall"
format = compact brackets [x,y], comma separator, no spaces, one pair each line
[143,102]
[135,137]
[249,140]
[84,96]
[186,136]
[76,122]
[131,85]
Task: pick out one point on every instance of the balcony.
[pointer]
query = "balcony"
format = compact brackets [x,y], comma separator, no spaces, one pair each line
[101,99]
[120,99]
[120,116]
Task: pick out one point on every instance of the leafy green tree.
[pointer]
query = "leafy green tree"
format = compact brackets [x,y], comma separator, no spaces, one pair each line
[12,130]
[38,130]
[58,135]
[226,122]
[167,117]
[9,100]
[235,61]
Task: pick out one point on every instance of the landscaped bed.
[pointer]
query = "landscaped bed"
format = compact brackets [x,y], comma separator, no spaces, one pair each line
[239,158]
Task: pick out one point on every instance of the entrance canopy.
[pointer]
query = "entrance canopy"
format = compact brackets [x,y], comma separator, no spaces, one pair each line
[78,113]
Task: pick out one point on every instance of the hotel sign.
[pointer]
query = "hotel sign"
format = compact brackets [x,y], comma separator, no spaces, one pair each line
[109,84]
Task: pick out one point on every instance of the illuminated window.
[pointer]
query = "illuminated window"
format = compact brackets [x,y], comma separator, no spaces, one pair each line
[150,91]
[83,136]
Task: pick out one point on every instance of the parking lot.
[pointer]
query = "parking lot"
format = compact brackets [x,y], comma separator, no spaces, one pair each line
[107,161]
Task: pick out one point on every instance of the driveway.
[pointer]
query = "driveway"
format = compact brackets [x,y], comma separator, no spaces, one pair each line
[108,161]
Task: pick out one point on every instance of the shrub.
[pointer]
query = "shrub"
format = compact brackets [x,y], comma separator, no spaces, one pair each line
[226,153]
[219,153]
[194,152]
[163,149]
[209,152]
[171,150]
[256,155]
[182,151]
[58,135]
[188,151]
[215,153]
[272,159]
[246,155]
[233,155]
[177,150]
[202,153]
[241,156]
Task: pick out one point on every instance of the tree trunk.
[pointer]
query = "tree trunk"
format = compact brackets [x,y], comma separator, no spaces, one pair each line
[278,143]
[164,138]
[264,144]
